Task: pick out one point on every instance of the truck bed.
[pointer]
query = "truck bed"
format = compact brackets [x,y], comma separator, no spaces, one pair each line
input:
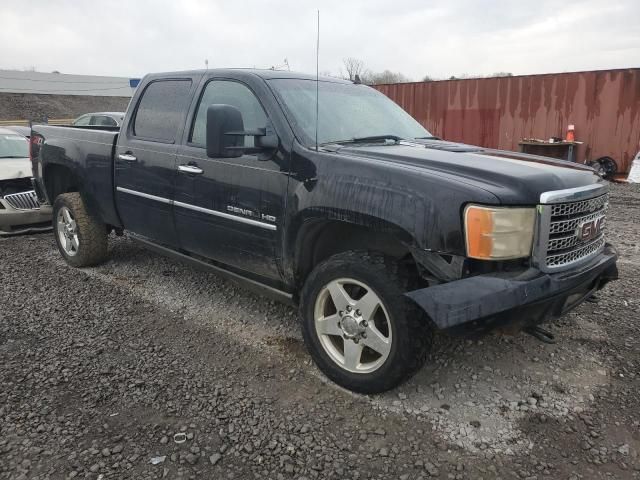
[88,152]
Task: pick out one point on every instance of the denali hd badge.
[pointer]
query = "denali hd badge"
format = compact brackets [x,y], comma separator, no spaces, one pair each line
[251,213]
[589,230]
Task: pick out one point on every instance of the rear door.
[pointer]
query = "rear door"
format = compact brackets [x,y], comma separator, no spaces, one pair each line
[145,159]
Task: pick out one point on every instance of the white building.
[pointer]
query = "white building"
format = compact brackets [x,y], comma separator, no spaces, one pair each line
[15,81]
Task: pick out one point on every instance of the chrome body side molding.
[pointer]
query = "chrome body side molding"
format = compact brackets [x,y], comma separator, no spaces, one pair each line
[248,221]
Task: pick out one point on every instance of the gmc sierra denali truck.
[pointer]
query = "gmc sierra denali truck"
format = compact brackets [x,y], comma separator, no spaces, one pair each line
[378,231]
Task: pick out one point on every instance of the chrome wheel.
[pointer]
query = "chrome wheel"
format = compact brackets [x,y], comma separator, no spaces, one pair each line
[353,325]
[67,232]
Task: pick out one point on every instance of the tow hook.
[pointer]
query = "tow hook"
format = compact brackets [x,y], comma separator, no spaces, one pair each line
[593,299]
[541,334]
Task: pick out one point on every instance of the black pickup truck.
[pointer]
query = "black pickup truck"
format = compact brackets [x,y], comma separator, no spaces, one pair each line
[379,231]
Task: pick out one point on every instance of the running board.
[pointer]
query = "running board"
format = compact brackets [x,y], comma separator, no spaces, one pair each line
[248,283]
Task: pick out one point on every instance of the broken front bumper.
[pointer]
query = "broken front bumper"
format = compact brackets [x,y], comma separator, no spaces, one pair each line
[14,221]
[519,299]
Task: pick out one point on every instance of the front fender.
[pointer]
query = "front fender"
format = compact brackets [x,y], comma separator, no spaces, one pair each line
[425,205]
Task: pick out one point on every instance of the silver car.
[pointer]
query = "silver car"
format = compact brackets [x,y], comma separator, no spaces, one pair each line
[99,119]
[20,210]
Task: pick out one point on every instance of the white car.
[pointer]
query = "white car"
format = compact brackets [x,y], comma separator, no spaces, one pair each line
[20,210]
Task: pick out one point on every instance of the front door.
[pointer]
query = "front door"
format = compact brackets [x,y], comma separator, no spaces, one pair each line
[145,169]
[230,209]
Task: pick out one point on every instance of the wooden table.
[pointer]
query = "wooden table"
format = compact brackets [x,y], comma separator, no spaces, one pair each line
[563,150]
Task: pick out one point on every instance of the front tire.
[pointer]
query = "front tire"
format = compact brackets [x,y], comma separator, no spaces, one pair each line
[81,239]
[360,329]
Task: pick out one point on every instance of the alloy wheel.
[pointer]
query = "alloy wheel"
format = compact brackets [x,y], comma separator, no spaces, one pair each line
[67,232]
[353,325]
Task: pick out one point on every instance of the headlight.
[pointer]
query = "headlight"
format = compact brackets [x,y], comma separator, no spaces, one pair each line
[499,233]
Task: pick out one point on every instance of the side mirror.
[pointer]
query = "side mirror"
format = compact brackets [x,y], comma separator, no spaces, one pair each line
[222,119]
[225,135]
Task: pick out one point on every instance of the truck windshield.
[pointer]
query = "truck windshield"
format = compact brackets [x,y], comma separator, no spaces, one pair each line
[347,112]
[13,146]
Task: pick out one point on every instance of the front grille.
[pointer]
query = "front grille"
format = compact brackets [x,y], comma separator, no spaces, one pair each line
[23,200]
[559,225]
[572,208]
[575,254]
[563,242]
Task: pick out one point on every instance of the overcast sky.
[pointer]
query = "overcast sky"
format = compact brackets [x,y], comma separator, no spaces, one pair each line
[415,37]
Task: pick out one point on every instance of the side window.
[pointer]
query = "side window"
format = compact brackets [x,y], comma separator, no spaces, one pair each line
[228,93]
[83,120]
[105,121]
[161,110]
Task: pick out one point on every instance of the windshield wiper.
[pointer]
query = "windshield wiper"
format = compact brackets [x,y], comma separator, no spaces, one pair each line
[428,138]
[12,156]
[372,138]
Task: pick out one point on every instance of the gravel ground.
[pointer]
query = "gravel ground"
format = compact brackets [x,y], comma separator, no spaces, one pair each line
[145,368]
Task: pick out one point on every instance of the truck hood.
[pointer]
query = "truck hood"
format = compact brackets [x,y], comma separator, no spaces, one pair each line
[11,168]
[515,178]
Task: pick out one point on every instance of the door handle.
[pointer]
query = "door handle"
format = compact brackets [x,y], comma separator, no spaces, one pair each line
[190,169]
[127,157]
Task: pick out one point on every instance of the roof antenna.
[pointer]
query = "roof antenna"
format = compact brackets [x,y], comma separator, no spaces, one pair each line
[317,77]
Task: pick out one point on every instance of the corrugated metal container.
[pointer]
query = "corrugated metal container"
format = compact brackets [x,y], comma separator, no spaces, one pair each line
[603,105]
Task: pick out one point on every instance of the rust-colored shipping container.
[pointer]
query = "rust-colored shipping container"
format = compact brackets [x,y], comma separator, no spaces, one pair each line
[498,112]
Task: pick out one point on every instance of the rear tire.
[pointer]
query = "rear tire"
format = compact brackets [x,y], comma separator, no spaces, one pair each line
[388,333]
[81,239]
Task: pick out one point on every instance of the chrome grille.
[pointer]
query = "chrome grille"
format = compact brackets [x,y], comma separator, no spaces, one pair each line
[572,208]
[575,254]
[563,226]
[560,239]
[23,200]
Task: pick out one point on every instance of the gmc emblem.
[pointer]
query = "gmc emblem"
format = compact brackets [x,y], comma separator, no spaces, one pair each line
[589,230]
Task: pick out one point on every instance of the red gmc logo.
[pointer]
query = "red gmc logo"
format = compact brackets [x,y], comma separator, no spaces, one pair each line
[591,229]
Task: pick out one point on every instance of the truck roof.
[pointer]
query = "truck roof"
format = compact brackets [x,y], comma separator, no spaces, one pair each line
[266,74]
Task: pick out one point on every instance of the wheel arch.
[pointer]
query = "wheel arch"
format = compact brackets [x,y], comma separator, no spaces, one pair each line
[59,178]
[316,238]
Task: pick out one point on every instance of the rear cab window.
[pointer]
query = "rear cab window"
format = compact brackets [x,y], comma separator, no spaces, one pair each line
[161,110]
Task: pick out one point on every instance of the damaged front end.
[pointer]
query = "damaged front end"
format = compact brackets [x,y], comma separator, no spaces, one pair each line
[514,300]
[523,265]
[20,210]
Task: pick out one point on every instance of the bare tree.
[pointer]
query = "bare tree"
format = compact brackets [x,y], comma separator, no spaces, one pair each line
[354,67]
[387,77]
[469,76]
